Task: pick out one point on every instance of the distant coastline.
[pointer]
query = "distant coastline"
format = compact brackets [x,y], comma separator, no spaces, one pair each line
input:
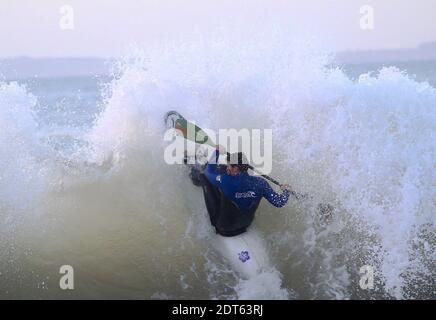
[424,52]
[27,67]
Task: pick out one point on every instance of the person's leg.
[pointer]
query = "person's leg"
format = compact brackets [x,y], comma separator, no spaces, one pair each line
[212,196]
[212,200]
[196,174]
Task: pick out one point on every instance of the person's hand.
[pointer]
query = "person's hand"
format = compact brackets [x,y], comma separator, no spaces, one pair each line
[285,187]
[221,149]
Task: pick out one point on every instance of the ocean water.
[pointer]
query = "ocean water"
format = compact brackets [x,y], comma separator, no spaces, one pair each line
[83,181]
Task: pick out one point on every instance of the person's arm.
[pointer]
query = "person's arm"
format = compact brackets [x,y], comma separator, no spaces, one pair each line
[211,170]
[276,199]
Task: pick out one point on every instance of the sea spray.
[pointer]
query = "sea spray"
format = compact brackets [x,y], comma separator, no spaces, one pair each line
[136,227]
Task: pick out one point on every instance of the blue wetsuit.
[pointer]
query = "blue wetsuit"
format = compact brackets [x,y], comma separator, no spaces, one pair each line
[232,200]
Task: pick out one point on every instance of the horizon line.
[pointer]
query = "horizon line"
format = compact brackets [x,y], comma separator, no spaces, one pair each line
[418,47]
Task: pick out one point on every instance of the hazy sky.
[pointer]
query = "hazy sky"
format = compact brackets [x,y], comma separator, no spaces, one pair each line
[106,27]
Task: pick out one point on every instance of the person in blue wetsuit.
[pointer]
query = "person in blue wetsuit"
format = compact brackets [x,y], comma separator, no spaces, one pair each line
[232,196]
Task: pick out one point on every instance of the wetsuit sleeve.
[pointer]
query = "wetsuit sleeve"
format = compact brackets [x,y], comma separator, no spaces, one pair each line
[211,171]
[276,199]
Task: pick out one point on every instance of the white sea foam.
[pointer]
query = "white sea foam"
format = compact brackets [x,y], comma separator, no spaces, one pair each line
[365,146]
